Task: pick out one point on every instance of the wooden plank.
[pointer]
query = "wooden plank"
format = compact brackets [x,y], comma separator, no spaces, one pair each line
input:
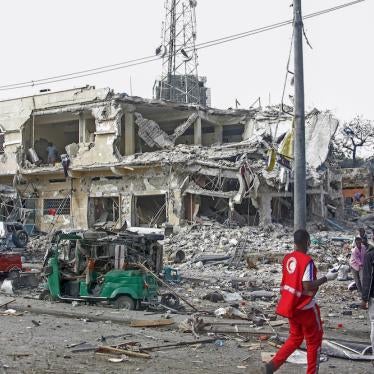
[151,322]
[6,303]
[179,344]
[117,351]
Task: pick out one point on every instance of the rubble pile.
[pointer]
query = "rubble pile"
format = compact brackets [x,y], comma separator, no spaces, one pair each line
[38,245]
[207,245]
[220,239]
[243,264]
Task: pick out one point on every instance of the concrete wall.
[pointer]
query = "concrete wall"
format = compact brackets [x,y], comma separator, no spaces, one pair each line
[12,153]
[140,183]
[15,113]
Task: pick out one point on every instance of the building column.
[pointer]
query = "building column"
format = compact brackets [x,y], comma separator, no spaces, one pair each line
[129,134]
[197,132]
[82,128]
[218,133]
[265,209]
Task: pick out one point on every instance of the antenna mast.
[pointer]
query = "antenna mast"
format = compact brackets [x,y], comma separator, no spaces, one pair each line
[180,80]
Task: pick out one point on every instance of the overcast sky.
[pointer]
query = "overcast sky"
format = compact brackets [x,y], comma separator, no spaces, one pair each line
[42,38]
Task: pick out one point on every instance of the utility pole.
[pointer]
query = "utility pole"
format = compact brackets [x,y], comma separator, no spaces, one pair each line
[299,145]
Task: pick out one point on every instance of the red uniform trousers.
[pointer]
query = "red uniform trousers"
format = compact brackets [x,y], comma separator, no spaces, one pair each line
[304,324]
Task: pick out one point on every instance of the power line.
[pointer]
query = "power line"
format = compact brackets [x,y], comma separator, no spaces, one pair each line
[66,77]
[148,59]
[33,82]
[276,25]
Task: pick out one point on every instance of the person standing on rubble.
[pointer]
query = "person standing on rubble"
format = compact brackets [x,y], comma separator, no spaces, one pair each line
[52,153]
[368,290]
[356,262]
[298,288]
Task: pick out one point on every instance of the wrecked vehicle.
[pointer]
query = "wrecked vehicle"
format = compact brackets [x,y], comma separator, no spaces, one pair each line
[93,266]
[10,264]
[12,235]
[124,289]
[110,248]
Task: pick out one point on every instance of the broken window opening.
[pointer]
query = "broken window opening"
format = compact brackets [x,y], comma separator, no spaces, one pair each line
[245,214]
[56,207]
[113,177]
[282,210]
[216,183]
[232,133]
[149,211]
[47,137]
[103,212]
[61,180]
[199,208]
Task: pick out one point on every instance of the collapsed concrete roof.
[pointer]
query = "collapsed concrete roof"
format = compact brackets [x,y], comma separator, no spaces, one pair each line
[261,128]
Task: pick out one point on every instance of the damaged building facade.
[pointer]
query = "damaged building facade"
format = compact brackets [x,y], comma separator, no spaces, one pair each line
[152,163]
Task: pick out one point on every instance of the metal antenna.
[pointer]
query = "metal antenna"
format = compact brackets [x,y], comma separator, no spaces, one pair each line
[180,80]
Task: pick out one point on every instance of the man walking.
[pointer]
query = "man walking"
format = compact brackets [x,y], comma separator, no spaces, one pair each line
[298,288]
[368,290]
[357,261]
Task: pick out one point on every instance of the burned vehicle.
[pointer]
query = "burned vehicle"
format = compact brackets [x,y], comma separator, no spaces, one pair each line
[94,266]
[12,235]
[13,215]
[112,249]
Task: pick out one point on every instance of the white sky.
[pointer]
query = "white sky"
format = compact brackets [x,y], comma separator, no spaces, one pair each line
[41,38]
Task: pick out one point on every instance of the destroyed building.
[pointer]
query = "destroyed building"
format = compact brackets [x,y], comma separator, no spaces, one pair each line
[155,163]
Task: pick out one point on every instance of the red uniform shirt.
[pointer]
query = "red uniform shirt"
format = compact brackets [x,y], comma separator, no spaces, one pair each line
[293,297]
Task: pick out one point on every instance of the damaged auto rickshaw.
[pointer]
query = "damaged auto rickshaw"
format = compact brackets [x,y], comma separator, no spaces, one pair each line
[103,268]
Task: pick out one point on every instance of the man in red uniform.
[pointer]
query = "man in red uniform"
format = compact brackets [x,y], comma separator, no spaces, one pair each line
[298,288]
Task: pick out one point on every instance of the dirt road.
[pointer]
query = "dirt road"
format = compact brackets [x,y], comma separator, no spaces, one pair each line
[37,343]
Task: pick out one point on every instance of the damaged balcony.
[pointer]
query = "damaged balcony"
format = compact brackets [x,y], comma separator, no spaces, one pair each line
[47,137]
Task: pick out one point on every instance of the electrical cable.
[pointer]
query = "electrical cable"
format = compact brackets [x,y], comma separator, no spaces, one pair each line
[273,26]
[65,78]
[81,72]
[148,59]
[288,72]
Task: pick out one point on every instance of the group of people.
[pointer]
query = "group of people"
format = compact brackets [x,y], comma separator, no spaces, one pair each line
[299,286]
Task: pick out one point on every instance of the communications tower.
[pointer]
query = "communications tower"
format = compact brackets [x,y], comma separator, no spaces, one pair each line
[180,81]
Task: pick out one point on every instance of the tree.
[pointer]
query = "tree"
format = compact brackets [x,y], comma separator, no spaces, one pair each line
[356,133]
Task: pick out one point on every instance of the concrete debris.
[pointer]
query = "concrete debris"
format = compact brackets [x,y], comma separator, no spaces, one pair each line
[181,129]
[193,324]
[233,297]
[7,287]
[230,312]
[151,133]
[148,183]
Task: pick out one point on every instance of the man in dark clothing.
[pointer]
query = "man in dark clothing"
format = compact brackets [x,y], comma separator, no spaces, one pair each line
[368,290]
[363,236]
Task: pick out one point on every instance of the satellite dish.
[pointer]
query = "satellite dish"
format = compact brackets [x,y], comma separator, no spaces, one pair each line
[161,51]
[185,55]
